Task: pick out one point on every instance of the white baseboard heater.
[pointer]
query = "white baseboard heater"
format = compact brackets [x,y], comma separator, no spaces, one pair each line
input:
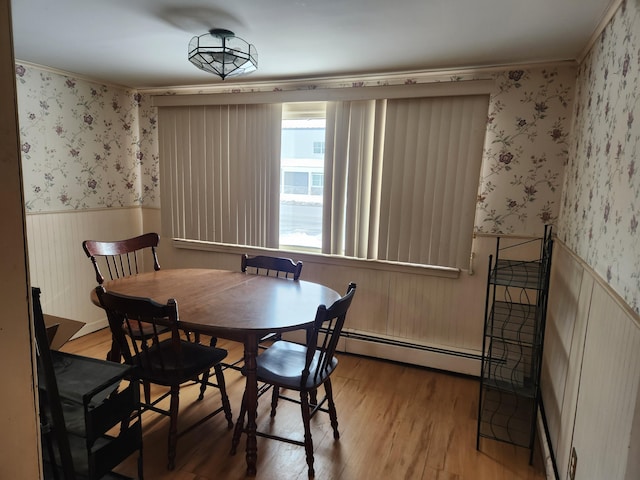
[446,358]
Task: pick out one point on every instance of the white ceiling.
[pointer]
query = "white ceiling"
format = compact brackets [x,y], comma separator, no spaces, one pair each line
[143,43]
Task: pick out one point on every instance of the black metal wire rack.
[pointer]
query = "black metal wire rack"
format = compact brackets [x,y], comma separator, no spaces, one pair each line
[515,314]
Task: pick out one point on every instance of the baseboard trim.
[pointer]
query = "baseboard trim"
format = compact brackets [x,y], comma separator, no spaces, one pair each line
[549,459]
[91,327]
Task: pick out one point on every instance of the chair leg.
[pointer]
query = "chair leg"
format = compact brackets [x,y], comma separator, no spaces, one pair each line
[146,386]
[114,354]
[203,384]
[173,426]
[226,406]
[140,465]
[275,395]
[313,397]
[239,427]
[333,414]
[306,420]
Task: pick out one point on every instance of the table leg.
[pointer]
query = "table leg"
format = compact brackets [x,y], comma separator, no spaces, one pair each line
[251,395]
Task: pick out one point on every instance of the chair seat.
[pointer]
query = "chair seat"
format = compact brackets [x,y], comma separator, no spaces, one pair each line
[283,362]
[196,359]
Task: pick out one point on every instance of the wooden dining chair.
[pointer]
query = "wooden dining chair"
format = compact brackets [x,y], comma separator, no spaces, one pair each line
[303,368]
[273,266]
[169,362]
[270,266]
[121,258]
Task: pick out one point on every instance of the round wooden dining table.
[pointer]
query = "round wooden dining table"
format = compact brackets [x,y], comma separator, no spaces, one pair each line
[235,306]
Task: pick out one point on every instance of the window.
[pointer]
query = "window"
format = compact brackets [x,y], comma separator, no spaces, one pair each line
[295,182]
[397,181]
[302,167]
[301,183]
[317,182]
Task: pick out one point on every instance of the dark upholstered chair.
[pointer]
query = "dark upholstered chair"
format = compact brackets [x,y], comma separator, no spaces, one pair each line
[169,362]
[303,368]
[89,411]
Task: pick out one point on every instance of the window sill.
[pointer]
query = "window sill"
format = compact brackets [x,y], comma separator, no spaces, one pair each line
[319,258]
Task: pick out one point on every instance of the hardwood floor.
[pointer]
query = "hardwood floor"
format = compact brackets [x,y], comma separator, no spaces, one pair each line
[396,422]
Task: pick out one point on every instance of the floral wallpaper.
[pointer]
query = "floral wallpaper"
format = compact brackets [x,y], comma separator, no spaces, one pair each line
[601,194]
[525,151]
[84,145]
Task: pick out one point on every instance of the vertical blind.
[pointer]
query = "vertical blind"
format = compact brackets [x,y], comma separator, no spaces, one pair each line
[400,180]
[432,155]
[351,204]
[220,172]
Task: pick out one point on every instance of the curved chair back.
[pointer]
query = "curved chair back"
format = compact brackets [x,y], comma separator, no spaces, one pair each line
[274,266]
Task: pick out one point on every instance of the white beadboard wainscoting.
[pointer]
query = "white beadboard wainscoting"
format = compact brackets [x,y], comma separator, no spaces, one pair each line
[59,266]
[397,314]
[591,374]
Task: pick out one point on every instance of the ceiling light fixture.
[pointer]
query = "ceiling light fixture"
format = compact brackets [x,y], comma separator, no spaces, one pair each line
[222,53]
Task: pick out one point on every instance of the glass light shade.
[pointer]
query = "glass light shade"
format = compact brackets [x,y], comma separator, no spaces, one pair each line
[222,53]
